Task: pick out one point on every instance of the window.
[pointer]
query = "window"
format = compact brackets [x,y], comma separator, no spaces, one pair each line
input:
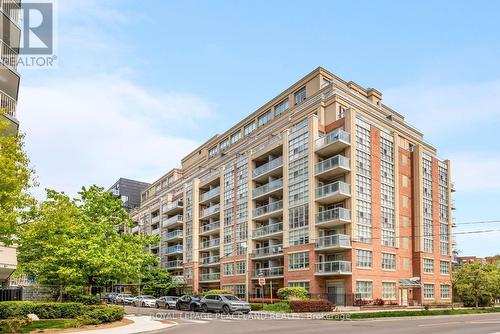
[364,289]
[228,269]
[445,291]
[298,260]
[389,290]
[299,236]
[281,108]
[264,118]
[228,249]
[224,144]
[363,258]
[388,261]
[444,267]
[428,266]
[249,128]
[241,248]
[341,113]
[235,137]
[241,267]
[303,284]
[429,291]
[300,95]
[188,272]
[213,152]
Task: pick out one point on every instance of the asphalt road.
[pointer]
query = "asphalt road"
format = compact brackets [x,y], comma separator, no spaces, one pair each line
[189,322]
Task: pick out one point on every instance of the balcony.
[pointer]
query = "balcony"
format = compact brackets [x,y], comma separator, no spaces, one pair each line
[210,261]
[273,209]
[174,235]
[333,268]
[333,192]
[205,197]
[270,251]
[211,228]
[177,249]
[267,231]
[156,231]
[173,221]
[210,212]
[210,244]
[452,187]
[135,229]
[173,207]
[269,272]
[8,56]
[333,167]
[175,264]
[271,168]
[11,9]
[334,242]
[8,104]
[155,219]
[209,178]
[333,143]
[267,189]
[210,277]
[453,205]
[333,217]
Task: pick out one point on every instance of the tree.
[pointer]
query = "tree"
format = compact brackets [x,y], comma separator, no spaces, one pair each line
[476,283]
[74,242]
[157,281]
[16,178]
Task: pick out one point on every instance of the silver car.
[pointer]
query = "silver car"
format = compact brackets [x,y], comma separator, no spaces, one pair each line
[224,303]
[167,302]
[145,301]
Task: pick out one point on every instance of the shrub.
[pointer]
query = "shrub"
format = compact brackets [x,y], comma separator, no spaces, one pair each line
[378,302]
[311,306]
[13,325]
[292,293]
[256,306]
[218,292]
[277,307]
[264,300]
[95,315]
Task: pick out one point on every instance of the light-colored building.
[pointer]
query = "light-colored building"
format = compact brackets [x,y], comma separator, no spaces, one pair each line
[323,187]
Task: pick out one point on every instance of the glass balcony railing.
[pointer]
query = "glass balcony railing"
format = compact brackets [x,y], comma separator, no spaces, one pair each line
[332,137]
[267,251]
[210,210]
[332,163]
[268,229]
[333,214]
[210,243]
[155,219]
[271,186]
[265,209]
[333,188]
[173,235]
[8,104]
[334,241]
[269,272]
[210,194]
[156,231]
[278,162]
[172,220]
[210,227]
[174,264]
[174,205]
[210,277]
[173,249]
[210,260]
[334,267]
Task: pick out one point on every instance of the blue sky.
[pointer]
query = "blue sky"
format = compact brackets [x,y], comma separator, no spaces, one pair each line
[141,83]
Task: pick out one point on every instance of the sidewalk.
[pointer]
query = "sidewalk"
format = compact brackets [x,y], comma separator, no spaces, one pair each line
[142,324]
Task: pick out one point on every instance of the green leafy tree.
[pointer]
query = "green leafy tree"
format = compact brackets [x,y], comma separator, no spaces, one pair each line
[75,242]
[476,283]
[157,281]
[16,179]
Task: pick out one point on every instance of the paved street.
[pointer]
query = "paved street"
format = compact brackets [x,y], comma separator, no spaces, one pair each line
[187,322]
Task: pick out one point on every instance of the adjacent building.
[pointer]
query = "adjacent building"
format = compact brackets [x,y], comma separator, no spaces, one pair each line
[323,187]
[129,191]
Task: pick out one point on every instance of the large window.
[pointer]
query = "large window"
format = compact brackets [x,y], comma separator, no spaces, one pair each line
[364,289]
[302,284]
[389,290]
[281,108]
[249,128]
[429,291]
[213,152]
[444,267]
[445,291]
[264,118]
[298,260]
[241,267]
[235,137]
[224,144]
[388,261]
[364,258]
[428,266]
[298,236]
[228,269]
[300,95]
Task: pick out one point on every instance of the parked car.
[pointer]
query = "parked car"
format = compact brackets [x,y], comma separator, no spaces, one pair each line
[124,299]
[145,301]
[109,297]
[191,303]
[224,303]
[166,302]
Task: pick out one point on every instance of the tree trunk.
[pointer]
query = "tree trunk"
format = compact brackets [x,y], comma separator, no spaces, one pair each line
[60,298]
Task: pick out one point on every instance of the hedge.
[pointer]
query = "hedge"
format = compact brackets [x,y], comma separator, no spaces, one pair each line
[292,293]
[13,325]
[217,292]
[311,306]
[256,306]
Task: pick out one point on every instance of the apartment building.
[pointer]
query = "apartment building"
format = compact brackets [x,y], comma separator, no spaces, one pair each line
[129,191]
[323,187]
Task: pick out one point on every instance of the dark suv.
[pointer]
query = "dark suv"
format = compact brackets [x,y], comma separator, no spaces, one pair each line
[224,303]
[191,303]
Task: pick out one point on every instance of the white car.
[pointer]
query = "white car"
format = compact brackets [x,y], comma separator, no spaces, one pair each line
[145,301]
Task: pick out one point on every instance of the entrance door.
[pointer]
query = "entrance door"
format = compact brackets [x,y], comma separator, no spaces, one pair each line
[336,293]
[404,297]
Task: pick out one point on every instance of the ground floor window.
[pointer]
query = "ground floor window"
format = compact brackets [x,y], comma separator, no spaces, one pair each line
[298,260]
[429,291]
[389,290]
[364,289]
[445,291]
[303,284]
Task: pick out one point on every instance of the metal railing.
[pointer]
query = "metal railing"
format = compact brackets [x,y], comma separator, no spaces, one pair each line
[265,209]
[210,243]
[8,55]
[11,8]
[155,219]
[173,235]
[156,231]
[210,277]
[8,104]
[336,240]
[268,229]
[174,264]
[209,175]
[334,136]
[265,144]
[173,249]
[270,250]
[210,227]
[209,194]
[177,204]
[269,272]
[331,163]
[268,166]
[210,259]
[333,214]
[210,210]
[268,187]
[332,188]
[172,220]
[135,229]
[334,267]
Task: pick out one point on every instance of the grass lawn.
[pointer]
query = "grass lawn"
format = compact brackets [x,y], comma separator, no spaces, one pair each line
[389,314]
[50,324]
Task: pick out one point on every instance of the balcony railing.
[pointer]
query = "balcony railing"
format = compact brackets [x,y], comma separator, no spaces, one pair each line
[173,235]
[172,220]
[334,241]
[8,104]
[269,272]
[135,229]
[210,277]
[334,136]
[210,227]
[268,251]
[177,204]
[173,249]
[332,163]
[209,175]
[209,194]
[334,267]
[268,187]
[174,264]
[156,231]
[210,260]
[267,143]
[210,210]
[332,188]
[11,8]
[155,219]
[210,243]
[265,209]
[268,166]
[8,55]
[269,229]
[333,214]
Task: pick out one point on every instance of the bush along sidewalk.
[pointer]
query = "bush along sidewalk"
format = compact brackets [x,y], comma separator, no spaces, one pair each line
[419,313]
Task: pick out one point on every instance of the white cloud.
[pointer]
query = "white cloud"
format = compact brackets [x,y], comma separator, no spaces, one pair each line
[94,131]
